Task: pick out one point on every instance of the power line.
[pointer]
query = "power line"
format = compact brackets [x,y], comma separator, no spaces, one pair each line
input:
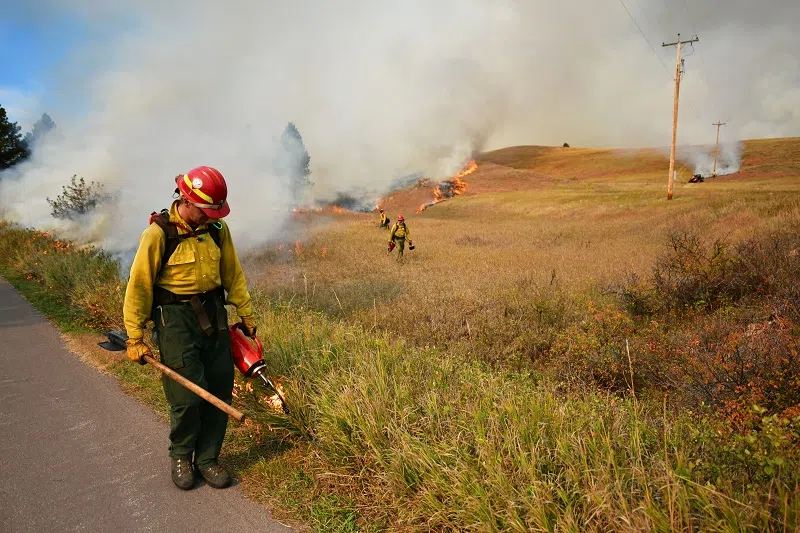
[716,146]
[643,12]
[678,72]
[646,39]
[703,64]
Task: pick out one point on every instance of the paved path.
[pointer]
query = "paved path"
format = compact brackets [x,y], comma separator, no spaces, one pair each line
[77,454]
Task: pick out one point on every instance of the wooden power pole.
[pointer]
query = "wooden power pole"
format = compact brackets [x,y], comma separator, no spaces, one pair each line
[678,69]
[716,147]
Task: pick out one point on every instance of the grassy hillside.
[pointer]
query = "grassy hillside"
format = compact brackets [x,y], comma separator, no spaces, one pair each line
[535,223]
[565,350]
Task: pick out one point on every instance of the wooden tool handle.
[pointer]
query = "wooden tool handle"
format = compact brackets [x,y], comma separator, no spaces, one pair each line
[204,394]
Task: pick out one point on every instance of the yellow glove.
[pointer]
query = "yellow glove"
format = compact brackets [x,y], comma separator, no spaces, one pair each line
[137,349]
[249,326]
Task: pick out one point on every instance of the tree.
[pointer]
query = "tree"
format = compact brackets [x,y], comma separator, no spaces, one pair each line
[292,143]
[565,145]
[13,148]
[42,127]
[77,199]
[292,162]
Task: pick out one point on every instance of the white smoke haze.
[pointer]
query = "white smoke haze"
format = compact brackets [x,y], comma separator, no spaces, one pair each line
[701,158]
[382,90]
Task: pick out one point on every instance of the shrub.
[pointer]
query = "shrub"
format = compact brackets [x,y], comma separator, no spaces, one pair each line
[77,199]
[729,316]
[594,350]
[733,364]
[767,448]
[694,276]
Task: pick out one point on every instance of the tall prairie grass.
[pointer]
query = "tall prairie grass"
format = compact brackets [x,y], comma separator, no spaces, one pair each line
[526,369]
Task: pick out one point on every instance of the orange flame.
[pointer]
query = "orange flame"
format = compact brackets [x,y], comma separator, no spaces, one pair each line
[298,248]
[339,210]
[472,166]
[456,186]
[274,402]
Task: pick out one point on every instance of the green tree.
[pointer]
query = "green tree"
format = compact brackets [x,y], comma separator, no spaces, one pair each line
[77,199]
[292,144]
[13,148]
[42,127]
[292,161]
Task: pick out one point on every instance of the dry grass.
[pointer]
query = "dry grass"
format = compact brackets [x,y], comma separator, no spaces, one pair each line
[535,222]
[386,435]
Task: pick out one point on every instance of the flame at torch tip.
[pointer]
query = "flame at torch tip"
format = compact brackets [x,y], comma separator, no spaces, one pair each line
[274,401]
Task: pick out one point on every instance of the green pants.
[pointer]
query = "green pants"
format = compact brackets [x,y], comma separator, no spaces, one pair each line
[400,242]
[196,426]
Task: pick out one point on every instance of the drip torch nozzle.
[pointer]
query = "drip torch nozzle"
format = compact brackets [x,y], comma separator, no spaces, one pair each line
[268,382]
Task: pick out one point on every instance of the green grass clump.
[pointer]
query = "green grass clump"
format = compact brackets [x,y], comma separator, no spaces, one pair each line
[78,287]
[450,445]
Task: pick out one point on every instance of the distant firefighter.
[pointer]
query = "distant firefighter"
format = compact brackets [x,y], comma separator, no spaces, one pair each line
[398,237]
[384,220]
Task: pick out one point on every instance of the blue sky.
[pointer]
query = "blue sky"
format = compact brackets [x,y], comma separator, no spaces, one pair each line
[33,47]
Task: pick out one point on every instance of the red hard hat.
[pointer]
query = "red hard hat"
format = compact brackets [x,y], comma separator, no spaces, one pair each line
[205,188]
[400,218]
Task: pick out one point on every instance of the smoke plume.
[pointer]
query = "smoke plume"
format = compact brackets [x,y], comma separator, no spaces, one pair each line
[382,90]
[701,158]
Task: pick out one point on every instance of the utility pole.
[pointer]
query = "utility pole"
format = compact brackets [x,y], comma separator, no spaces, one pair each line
[716,149]
[678,64]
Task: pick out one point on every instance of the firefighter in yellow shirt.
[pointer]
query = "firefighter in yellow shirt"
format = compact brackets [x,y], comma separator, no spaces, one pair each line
[398,236]
[384,220]
[185,265]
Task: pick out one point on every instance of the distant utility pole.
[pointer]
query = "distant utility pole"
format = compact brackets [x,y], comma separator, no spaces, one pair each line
[716,149]
[678,64]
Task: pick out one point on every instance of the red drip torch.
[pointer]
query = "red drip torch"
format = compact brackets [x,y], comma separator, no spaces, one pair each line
[247,357]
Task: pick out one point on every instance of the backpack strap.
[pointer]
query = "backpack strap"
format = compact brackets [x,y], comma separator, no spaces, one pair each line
[213,230]
[170,233]
[173,238]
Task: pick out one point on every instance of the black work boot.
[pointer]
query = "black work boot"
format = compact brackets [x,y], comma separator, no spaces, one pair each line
[183,472]
[215,475]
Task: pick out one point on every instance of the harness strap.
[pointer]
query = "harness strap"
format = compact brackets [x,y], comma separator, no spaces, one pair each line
[202,316]
[162,296]
[173,238]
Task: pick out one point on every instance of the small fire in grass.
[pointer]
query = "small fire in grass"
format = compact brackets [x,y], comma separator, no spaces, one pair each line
[331,208]
[274,401]
[300,250]
[300,210]
[449,188]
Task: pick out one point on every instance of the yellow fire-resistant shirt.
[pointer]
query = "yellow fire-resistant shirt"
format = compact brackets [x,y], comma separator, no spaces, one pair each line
[400,231]
[197,265]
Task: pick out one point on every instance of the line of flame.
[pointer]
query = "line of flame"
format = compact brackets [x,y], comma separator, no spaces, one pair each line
[457,187]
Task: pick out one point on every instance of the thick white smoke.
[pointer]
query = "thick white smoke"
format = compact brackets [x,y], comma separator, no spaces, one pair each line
[729,158]
[380,90]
